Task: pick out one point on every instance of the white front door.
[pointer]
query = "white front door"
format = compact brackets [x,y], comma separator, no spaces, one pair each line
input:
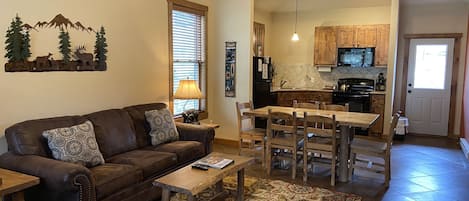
[429,85]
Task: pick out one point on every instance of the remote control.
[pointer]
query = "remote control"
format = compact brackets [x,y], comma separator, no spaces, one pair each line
[200,167]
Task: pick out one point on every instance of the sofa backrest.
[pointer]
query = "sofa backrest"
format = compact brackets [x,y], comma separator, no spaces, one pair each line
[142,128]
[25,138]
[114,131]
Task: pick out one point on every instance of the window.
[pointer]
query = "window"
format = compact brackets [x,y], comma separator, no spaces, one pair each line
[187,51]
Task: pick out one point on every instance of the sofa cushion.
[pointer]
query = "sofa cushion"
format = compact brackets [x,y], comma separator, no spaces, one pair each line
[76,144]
[186,151]
[110,178]
[114,131]
[26,138]
[142,127]
[162,125]
[150,162]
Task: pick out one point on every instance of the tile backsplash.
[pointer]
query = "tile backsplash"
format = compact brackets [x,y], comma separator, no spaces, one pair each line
[308,76]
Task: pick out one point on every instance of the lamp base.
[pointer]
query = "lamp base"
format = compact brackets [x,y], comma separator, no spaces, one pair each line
[191,116]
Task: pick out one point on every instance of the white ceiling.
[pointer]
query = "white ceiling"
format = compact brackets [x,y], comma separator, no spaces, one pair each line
[303,5]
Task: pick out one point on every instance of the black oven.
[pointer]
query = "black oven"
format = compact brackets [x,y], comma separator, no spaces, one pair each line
[357,102]
[355,92]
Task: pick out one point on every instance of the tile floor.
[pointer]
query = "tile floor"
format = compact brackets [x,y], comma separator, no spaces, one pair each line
[423,168]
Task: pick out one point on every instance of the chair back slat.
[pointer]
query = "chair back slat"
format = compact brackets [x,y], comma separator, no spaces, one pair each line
[394,120]
[281,122]
[344,108]
[315,105]
[240,108]
[320,125]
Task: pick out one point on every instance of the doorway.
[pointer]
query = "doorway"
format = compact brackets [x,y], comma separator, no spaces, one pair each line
[429,82]
[428,85]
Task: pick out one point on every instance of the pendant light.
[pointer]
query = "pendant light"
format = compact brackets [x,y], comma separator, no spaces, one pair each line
[295,35]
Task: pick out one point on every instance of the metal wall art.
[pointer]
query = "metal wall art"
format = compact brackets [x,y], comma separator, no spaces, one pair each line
[230,69]
[18,48]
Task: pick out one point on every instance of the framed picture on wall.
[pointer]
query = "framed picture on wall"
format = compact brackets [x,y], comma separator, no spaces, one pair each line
[230,69]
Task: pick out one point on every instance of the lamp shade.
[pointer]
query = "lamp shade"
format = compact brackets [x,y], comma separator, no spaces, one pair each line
[188,90]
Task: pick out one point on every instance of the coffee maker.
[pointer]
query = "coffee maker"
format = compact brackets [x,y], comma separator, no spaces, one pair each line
[380,83]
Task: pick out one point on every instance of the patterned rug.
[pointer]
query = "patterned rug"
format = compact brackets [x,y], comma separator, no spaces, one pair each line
[257,189]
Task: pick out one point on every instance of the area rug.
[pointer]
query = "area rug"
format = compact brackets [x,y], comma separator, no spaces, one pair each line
[257,189]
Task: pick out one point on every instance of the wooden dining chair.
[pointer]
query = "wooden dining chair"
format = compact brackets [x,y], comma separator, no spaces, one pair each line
[282,134]
[324,142]
[251,139]
[375,147]
[334,107]
[315,105]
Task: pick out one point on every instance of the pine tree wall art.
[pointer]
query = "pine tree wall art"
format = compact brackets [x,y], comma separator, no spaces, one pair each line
[72,57]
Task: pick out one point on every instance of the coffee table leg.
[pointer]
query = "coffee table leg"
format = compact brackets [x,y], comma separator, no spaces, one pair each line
[241,185]
[219,186]
[165,194]
[18,196]
[190,197]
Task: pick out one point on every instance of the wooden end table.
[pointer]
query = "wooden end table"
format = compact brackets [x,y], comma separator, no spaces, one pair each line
[13,183]
[193,181]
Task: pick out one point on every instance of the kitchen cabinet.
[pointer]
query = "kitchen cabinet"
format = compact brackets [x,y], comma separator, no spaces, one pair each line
[285,98]
[377,107]
[382,45]
[325,46]
[356,36]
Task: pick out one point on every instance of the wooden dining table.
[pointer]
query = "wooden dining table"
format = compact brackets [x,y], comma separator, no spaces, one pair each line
[347,121]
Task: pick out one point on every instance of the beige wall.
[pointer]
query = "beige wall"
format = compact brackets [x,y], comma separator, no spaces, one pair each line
[234,23]
[449,18]
[301,52]
[265,18]
[137,60]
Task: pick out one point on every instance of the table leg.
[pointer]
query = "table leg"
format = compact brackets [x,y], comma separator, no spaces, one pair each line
[165,194]
[18,196]
[219,186]
[241,185]
[344,151]
[190,197]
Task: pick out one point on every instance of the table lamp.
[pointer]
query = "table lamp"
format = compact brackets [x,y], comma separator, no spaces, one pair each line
[188,90]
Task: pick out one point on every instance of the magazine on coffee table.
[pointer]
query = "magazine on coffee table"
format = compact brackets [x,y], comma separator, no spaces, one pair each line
[214,162]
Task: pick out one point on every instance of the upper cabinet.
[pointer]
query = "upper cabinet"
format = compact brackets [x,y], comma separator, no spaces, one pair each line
[325,46]
[356,36]
[328,38]
[382,45]
[345,36]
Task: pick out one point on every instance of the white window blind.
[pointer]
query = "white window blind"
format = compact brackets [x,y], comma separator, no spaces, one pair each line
[188,32]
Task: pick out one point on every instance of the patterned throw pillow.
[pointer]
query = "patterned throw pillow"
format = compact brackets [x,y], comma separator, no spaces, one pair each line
[163,128]
[76,144]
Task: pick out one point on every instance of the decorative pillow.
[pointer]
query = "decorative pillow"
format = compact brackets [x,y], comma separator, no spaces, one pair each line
[76,144]
[163,128]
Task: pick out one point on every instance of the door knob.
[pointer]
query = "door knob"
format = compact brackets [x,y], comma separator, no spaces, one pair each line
[410,84]
[409,91]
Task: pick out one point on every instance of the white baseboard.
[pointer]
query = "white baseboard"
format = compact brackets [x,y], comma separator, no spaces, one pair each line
[464,146]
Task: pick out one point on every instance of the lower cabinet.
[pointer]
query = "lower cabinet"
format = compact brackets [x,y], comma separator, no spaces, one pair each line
[285,98]
[377,107]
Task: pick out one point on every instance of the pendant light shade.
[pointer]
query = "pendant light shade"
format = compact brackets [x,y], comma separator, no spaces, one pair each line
[295,35]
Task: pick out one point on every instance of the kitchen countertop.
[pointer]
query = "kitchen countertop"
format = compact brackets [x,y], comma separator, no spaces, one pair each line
[317,90]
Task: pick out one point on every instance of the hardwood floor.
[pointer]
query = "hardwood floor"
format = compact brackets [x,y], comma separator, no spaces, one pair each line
[423,168]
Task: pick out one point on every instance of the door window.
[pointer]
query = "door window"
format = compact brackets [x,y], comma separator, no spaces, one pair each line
[430,66]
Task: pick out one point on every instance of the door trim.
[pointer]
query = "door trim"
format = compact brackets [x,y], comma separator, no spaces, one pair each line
[454,74]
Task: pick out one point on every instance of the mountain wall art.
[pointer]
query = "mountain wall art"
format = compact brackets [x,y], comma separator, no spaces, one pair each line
[18,53]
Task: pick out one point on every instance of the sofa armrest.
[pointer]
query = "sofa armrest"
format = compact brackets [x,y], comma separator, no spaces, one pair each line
[58,180]
[193,132]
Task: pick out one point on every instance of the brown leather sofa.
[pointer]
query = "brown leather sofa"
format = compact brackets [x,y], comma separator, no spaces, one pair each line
[122,135]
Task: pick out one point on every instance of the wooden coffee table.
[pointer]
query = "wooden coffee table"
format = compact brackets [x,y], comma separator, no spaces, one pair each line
[14,183]
[192,181]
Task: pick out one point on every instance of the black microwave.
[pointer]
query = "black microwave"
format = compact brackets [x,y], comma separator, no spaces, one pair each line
[356,57]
